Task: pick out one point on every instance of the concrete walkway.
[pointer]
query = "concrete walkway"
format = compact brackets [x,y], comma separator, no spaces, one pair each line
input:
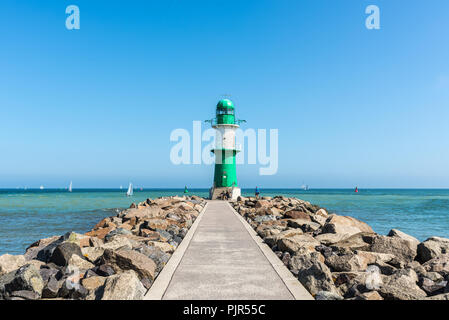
[224,260]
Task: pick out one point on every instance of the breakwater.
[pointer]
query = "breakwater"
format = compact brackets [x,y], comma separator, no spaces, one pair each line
[117,260]
[339,257]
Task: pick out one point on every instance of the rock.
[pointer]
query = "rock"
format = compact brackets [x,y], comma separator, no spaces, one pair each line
[265,218]
[438,264]
[93,283]
[118,242]
[295,243]
[312,273]
[25,294]
[52,287]
[70,290]
[155,223]
[432,248]
[444,296]
[402,235]
[330,238]
[10,263]
[118,231]
[347,262]
[431,287]
[322,212]
[147,212]
[80,263]
[326,295]
[157,255]
[28,278]
[261,203]
[401,286]
[124,286]
[5,281]
[124,259]
[104,270]
[42,249]
[166,247]
[63,252]
[345,225]
[296,214]
[304,224]
[100,233]
[272,239]
[47,272]
[371,295]
[358,241]
[92,253]
[400,248]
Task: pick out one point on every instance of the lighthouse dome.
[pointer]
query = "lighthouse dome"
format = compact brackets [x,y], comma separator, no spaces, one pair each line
[225,104]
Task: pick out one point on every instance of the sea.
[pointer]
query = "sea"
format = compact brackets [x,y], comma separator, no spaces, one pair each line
[29,215]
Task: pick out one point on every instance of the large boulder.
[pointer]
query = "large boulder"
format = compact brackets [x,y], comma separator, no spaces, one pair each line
[347,262]
[438,264]
[64,251]
[28,278]
[81,264]
[402,285]
[312,272]
[146,212]
[10,263]
[124,259]
[432,248]
[403,235]
[358,241]
[124,286]
[294,243]
[403,249]
[345,225]
[42,249]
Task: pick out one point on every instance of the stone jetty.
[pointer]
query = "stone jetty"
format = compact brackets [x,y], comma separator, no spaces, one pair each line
[127,256]
[338,257]
[119,259]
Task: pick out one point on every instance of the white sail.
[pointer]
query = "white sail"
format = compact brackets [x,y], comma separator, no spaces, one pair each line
[70,186]
[130,191]
[41,187]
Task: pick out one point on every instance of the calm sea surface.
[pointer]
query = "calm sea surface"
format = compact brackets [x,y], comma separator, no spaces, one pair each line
[29,215]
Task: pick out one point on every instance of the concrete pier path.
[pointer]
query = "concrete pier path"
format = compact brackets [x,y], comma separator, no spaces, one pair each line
[222,258]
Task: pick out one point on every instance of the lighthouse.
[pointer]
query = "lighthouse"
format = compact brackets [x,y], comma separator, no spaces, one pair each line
[225,176]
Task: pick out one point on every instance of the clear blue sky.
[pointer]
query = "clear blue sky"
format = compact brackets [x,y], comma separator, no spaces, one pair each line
[97,105]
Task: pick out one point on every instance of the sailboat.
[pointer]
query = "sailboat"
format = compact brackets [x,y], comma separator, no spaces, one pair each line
[70,186]
[130,191]
[304,187]
[41,187]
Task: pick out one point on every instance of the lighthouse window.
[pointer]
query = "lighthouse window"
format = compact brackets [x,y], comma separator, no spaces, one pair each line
[225,111]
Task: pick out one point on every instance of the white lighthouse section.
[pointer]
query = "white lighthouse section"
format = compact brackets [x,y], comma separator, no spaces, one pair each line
[225,137]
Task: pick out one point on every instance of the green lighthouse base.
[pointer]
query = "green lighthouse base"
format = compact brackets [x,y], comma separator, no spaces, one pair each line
[218,193]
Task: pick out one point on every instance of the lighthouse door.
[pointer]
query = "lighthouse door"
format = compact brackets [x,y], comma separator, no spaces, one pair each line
[225,179]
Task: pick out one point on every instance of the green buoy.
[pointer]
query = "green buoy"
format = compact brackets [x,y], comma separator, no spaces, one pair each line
[186,190]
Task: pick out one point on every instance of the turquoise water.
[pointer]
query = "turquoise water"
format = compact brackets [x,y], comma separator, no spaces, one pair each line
[26,216]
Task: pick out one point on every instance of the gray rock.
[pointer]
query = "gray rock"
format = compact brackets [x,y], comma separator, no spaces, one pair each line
[64,251]
[312,273]
[402,285]
[118,231]
[73,291]
[25,295]
[403,235]
[124,286]
[326,295]
[104,270]
[431,287]
[157,255]
[52,287]
[42,249]
[403,249]
[124,259]
[26,278]
[438,264]
[5,280]
[432,248]
[260,219]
